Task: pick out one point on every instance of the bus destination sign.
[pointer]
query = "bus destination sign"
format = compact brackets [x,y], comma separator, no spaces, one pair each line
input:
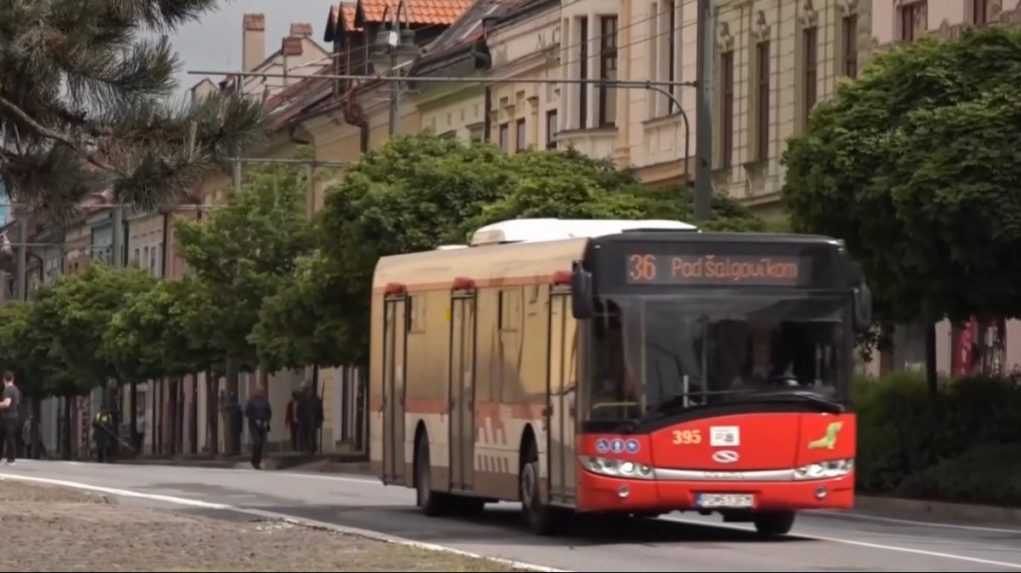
[706,269]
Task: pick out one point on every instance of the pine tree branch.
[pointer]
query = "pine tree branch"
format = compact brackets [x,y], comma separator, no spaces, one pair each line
[36,126]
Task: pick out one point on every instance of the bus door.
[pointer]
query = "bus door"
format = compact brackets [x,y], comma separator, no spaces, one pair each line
[395,336]
[462,391]
[562,385]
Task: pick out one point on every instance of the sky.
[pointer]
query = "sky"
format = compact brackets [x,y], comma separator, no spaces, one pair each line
[214,42]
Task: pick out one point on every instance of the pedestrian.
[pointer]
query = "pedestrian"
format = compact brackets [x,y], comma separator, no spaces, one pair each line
[10,410]
[311,416]
[259,414]
[291,420]
[104,434]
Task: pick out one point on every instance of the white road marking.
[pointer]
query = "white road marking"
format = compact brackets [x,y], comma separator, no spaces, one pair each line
[876,518]
[895,548]
[117,492]
[374,535]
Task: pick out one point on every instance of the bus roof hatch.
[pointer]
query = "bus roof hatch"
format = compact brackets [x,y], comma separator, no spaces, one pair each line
[536,230]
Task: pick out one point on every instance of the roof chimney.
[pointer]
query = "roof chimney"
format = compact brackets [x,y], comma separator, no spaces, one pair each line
[292,47]
[301,30]
[254,49]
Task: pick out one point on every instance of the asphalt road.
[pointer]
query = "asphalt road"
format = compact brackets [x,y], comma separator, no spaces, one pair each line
[820,542]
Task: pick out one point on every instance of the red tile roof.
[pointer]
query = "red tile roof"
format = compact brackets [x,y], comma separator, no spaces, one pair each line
[430,12]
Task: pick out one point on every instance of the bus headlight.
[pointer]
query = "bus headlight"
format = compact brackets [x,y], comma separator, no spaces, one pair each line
[617,468]
[824,470]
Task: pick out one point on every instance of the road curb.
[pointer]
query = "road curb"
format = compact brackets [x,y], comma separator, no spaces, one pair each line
[943,511]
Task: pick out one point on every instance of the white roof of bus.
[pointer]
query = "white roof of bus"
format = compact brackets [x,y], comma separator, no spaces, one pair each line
[536,230]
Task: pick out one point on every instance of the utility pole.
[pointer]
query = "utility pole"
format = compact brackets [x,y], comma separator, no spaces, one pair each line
[237,156]
[21,280]
[704,122]
[395,93]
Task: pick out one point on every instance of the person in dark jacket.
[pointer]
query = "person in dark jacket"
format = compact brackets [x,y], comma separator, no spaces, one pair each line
[292,422]
[259,414]
[311,419]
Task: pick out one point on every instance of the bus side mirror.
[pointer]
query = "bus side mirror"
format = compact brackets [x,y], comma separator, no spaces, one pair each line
[583,297]
[862,308]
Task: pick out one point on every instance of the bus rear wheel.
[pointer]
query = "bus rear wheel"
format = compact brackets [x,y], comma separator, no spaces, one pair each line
[774,524]
[430,502]
[540,518]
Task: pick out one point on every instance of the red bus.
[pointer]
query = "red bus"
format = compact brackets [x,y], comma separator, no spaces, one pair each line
[629,367]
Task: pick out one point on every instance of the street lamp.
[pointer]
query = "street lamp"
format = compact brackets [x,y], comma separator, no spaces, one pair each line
[393,49]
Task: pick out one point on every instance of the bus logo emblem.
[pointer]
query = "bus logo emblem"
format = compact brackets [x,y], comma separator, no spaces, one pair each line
[603,446]
[618,446]
[633,447]
[726,457]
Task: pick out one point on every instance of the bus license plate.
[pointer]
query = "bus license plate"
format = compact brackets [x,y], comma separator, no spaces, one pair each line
[725,500]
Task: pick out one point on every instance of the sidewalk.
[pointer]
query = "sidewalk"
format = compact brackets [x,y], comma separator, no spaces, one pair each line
[340,464]
[954,513]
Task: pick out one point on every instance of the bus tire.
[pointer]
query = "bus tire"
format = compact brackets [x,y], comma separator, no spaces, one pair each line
[540,518]
[431,503]
[774,524]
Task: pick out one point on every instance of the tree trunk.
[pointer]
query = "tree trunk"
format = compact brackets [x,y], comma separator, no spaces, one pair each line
[68,423]
[134,416]
[233,441]
[931,373]
[194,414]
[34,437]
[213,412]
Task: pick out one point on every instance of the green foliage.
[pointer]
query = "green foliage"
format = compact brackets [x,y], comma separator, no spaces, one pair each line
[27,353]
[916,166]
[75,313]
[84,94]
[986,474]
[162,331]
[420,192]
[913,445]
[246,252]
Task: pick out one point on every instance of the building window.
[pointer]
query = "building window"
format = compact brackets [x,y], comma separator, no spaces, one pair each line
[980,12]
[608,72]
[811,54]
[583,63]
[476,134]
[505,136]
[910,16]
[850,34]
[520,144]
[551,129]
[762,114]
[727,125]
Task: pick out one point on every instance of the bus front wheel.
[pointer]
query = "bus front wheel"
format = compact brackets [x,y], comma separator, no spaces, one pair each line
[430,502]
[774,524]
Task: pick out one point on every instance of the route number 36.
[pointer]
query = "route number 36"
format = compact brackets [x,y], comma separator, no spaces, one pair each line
[643,267]
[688,438]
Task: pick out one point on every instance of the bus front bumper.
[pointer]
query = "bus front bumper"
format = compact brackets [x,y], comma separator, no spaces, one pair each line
[598,494]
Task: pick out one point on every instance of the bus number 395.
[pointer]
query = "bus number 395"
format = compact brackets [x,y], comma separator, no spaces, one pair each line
[688,438]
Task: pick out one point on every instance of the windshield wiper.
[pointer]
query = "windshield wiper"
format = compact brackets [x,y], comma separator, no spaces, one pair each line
[797,396]
[754,397]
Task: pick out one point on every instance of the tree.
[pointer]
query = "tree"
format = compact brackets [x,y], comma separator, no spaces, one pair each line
[243,254]
[73,315]
[82,103]
[420,192]
[916,167]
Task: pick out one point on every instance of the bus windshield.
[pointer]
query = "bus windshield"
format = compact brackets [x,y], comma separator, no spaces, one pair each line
[655,353]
